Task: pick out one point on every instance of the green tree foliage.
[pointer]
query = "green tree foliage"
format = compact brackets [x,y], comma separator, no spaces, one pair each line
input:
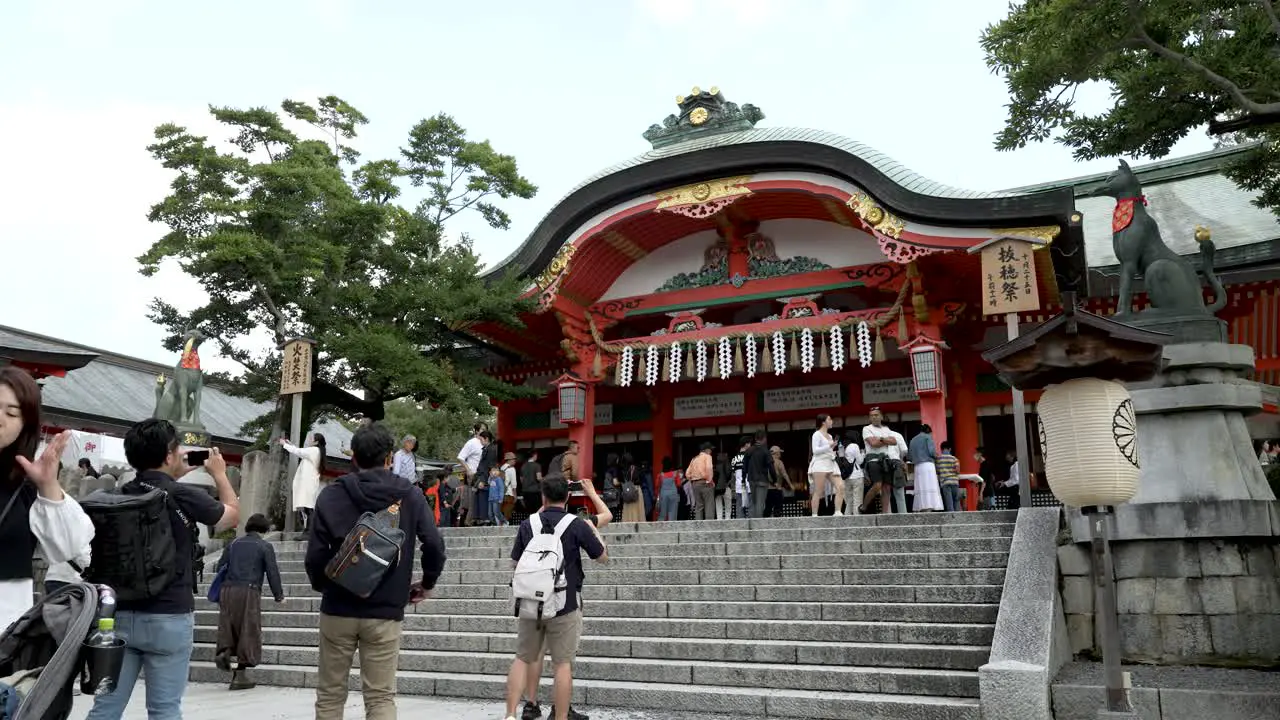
[440,433]
[297,236]
[1173,66]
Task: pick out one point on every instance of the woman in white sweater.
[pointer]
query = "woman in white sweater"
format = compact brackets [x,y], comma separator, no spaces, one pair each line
[306,481]
[35,515]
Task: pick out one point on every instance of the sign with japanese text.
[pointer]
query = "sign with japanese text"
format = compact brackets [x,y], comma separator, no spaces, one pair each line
[701,406]
[1009,278]
[813,397]
[295,368]
[888,391]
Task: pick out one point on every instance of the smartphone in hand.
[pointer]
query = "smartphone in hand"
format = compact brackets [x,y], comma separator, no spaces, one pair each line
[196,458]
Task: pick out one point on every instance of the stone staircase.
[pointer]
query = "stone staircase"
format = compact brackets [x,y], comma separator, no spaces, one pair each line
[885,617]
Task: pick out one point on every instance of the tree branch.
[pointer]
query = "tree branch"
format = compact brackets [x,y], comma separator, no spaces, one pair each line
[1270,10]
[281,324]
[1248,105]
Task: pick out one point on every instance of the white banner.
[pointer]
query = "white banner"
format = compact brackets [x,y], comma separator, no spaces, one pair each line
[604,416]
[813,397]
[702,406]
[891,390]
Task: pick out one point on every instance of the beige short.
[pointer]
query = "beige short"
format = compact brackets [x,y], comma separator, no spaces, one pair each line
[559,636]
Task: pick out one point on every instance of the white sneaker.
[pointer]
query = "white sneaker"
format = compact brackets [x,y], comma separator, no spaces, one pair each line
[837,514]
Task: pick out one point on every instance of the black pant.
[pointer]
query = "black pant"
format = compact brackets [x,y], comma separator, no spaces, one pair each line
[53,586]
[773,503]
[532,502]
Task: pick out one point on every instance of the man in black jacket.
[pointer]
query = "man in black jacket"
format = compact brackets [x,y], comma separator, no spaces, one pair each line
[371,625]
[760,473]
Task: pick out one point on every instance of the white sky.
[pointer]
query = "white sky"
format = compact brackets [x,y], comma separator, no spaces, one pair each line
[565,86]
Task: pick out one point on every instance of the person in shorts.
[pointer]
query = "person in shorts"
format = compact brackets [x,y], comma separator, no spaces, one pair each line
[560,635]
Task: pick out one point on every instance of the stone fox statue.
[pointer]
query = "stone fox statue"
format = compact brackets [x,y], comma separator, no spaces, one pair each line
[179,401]
[1171,281]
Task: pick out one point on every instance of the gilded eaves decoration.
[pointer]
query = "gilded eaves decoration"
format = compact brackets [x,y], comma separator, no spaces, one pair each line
[704,199]
[878,218]
[1045,234]
[548,282]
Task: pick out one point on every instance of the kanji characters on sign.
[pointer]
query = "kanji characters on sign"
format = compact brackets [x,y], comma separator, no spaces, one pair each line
[295,369]
[1009,278]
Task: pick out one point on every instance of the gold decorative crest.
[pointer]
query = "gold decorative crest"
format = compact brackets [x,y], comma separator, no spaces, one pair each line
[699,116]
[1045,234]
[704,192]
[559,264]
[877,217]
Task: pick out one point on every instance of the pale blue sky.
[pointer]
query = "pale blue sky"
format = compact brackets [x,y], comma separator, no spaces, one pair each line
[565,86]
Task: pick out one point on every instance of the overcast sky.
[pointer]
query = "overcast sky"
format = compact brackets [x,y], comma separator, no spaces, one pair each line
[566,87]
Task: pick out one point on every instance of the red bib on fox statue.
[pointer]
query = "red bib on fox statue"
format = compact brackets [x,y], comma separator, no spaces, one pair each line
[1123,214]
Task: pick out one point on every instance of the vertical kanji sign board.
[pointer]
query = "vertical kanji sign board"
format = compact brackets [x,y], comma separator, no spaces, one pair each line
[295,368]
[1009,278]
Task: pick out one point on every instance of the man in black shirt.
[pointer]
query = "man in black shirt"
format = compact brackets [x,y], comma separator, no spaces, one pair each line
[159,631]
[531,484]
[760,473]
[560,635]
[370,625]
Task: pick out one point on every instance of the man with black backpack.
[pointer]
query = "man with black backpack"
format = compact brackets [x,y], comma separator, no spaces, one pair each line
[144,548]
[360,557]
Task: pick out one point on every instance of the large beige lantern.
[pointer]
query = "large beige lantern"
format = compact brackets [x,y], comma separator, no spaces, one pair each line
[1089,442]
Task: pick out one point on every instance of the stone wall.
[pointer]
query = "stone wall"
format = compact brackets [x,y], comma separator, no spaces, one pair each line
[1183,602]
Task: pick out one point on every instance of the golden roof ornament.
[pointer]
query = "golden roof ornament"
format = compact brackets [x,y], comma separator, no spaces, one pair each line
[702,112]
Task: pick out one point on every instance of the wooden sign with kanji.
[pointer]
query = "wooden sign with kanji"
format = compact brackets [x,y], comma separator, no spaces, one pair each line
[1009,278]
[295,368]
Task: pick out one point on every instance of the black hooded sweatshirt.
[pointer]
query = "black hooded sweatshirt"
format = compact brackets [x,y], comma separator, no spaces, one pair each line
[337,510]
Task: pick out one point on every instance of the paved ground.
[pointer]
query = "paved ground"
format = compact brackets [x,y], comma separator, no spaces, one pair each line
[215,702]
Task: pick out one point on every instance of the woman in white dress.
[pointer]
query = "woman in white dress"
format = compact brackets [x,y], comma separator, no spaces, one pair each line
[823,471]
[306,481]
[924,456]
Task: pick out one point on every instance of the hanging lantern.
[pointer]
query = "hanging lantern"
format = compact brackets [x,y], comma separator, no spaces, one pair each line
[1089,442]
[926,365]
[572,394]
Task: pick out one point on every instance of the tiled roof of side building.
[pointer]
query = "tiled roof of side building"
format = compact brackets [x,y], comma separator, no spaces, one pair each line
[122,388]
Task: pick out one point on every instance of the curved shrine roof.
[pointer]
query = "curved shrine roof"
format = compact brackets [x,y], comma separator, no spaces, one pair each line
[711,138]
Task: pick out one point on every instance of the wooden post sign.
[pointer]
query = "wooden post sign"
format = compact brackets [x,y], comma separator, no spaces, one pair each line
[295,368]
[1009,278]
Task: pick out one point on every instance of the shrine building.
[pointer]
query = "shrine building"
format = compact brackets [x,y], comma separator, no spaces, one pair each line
[736,278]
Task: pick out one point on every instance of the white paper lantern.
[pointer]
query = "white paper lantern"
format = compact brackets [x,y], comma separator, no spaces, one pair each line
[1090,442]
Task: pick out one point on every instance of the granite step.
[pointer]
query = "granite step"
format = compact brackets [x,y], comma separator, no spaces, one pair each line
[1171,692]
[838,611]
[934,633]
[739,702]
[897,681]
[718,533]
[887,593]
[808,652]
[851,561]
[925,546]
[886,617]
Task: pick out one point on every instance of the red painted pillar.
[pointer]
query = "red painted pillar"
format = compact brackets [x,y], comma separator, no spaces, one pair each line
[661,407]
[585,433]
[964,420]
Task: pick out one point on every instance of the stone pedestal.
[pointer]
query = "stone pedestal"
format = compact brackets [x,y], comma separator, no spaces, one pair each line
[1195,329]
[1198,548]
[255,486]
